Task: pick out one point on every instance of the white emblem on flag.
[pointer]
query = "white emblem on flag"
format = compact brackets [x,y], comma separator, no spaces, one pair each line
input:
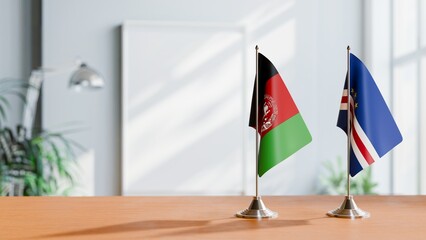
[270,112]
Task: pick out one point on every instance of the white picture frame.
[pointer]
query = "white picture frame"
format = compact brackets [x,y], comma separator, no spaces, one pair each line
[184,109]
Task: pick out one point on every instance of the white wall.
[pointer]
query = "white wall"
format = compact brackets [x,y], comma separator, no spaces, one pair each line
[395,57]
[15,47]
[378,58]
[305,39]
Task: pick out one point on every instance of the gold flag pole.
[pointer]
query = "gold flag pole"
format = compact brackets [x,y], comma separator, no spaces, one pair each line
[257,208]
[348,209]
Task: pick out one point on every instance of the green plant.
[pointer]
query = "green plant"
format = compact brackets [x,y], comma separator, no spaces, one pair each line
[36,166]
[33,165]
[334,181]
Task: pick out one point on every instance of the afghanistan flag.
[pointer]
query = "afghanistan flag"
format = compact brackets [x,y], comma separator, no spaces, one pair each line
[373,129]
[281,127]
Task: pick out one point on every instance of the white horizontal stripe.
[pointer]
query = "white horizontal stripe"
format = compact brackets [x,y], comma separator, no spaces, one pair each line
[366,141]
[344,106]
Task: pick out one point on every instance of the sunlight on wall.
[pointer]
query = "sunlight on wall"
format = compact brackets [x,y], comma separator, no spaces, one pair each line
[281,39]
[395,44]
[211,48]
[170,144]
[188,96]
[405,112]
[405,33]
[265,13]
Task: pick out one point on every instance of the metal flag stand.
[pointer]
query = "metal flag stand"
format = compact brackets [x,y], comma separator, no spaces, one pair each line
[257,208]
[348,209]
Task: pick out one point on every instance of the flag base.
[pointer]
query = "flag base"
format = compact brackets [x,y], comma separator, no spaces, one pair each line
[257,209]
[348,209]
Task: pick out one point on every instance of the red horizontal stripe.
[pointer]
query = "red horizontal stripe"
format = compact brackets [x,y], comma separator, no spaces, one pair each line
[344,99]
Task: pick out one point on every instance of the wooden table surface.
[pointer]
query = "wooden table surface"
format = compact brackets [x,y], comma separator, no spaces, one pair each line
[300,217]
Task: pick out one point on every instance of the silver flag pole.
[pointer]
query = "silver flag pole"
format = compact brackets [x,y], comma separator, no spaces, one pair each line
[348,209]
[257,208]
[257,121]
[349,127]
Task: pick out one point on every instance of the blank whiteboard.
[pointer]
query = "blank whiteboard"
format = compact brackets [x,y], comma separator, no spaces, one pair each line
[182,109]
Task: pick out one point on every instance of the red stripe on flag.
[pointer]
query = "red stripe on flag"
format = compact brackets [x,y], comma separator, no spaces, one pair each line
[358,141]
[364,151]
[344,99]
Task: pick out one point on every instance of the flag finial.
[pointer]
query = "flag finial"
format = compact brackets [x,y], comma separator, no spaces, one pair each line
[257,48]
[349,48]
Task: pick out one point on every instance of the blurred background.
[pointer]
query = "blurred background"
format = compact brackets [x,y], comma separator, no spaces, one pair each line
[172,117]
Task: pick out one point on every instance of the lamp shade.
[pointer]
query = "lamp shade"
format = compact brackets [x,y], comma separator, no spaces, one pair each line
[86,77]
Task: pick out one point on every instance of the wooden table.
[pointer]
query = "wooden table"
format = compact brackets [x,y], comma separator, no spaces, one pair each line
[301,217]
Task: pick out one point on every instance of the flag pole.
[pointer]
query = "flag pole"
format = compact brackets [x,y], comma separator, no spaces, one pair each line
[349,128]
[257,208]
[348,209]
[257,121]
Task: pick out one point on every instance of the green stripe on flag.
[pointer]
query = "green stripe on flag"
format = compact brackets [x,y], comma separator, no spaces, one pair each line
[282,141]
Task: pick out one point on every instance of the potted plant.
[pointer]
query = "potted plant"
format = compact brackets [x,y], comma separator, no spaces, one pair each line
[40,164]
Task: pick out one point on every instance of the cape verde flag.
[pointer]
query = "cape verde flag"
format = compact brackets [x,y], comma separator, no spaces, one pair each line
[373,129]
